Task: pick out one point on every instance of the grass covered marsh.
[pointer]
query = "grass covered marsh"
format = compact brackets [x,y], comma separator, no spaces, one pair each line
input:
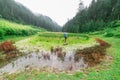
[107,70]
[9,28]
[48,39]
[14,32]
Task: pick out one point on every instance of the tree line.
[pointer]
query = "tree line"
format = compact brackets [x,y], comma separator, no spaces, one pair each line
[16,12]
[97,16]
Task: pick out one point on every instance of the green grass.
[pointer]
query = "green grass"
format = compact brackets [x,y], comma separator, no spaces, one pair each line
[108,32]
[110,72]
[14,38]
[8,28]
[107,70]
[35,75]
[48,39]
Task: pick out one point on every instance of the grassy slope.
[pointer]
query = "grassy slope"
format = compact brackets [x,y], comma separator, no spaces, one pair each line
[15,32]
[104,71]
[9,28]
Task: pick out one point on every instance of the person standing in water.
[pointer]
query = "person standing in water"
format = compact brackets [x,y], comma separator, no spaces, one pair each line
[65,37]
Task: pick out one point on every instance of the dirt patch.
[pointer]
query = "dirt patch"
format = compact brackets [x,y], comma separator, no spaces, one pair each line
[93,55]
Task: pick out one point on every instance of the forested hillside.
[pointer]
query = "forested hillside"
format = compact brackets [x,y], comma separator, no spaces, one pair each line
[95,17]
[16,12]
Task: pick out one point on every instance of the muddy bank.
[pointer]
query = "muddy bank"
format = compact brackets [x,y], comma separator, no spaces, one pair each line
[73,59]
[45,59]
[93,55]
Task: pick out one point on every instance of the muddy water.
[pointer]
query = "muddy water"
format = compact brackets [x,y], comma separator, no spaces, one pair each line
[39,60]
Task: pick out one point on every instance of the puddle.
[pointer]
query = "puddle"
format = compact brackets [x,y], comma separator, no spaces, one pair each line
[43,59]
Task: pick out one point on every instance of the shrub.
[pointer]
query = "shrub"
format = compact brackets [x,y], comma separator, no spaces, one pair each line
[109,35]
[1,33]
[96,33]
[7,46]
[102,42]
[114,24]
[109,32]
[117,35]
[25,33]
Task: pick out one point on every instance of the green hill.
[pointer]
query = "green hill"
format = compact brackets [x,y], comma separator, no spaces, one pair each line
[16,12]
[8,28]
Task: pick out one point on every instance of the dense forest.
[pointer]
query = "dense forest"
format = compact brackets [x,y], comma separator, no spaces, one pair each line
[97,16]
[16,12]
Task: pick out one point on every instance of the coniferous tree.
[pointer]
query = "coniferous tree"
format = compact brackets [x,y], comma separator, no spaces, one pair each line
[11,10]
[95,17]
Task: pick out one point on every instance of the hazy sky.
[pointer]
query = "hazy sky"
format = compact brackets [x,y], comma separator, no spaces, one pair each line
[59,10]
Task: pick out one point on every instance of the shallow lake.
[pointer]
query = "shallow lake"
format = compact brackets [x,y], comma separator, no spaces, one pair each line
[39,60]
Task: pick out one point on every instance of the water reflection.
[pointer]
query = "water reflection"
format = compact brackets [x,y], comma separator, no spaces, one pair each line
[43,59]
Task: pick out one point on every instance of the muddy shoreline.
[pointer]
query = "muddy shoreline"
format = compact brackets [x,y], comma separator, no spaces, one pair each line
[73,59]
